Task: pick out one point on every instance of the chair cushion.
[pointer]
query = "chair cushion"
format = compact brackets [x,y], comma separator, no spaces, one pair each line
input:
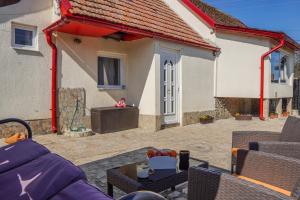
[291,130]
[234,151]
[39,179]
[20,153]
[272,187]
[81,190]
[15,138]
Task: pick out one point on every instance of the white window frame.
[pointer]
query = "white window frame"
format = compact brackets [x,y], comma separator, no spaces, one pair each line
[280,81]
[34,46]
[123,61]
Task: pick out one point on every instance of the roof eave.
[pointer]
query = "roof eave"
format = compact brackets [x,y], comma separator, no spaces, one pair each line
[89,20]
[261,33]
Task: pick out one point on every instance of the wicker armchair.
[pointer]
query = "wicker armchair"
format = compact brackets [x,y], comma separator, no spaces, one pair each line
[288,149]
[259,175]
[263,140]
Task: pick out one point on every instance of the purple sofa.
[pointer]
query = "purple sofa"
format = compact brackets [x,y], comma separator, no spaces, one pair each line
[29,170]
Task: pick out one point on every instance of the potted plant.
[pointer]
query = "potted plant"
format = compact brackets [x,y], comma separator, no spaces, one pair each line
[273,115]
[239,116]
[285,114]
[206,119]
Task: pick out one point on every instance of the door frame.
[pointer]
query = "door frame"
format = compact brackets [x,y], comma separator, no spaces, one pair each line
[177,66]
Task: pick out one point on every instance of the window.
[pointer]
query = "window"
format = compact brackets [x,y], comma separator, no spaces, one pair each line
[24,37]
[278,67]
[109,72]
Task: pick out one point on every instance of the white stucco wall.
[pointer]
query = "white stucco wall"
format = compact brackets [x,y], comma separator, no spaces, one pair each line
[142,74]
[78,69]
[196,77]
[238,66]
[192,19]
[25,75]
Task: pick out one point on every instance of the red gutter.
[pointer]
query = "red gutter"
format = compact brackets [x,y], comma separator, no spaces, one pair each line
[53,81]
[48,33]
[252,31]
[262,76]
[65,6]
[261,33]
[200,13]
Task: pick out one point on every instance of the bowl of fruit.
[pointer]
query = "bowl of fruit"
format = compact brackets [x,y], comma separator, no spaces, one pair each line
[162,159]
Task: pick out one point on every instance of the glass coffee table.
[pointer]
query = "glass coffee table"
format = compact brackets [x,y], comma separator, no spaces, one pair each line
[126,178]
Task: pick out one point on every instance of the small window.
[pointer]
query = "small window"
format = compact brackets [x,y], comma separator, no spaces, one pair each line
[109,72]
[24,37]
[278,67]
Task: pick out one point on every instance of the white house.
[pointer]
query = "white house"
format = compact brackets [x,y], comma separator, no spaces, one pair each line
[174,59]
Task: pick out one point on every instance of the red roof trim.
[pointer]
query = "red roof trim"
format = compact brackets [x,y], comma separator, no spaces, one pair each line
[251,31]
[65,6]
[127,29]
[132,30]
[200,13]
[258,32]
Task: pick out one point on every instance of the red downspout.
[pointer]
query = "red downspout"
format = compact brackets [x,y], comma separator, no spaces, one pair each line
[262,75]
[53,81]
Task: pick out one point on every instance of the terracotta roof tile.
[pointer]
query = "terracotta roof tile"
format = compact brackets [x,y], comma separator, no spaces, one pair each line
[218,16]
[148,15]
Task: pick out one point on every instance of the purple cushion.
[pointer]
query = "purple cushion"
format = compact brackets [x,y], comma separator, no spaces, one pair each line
[41,178]
[17,154]
[81,190]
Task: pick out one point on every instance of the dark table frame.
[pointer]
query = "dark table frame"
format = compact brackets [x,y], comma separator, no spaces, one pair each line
[128,185]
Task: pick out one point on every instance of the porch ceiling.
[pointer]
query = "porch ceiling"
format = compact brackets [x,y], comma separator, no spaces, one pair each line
[78,28]
[92,30]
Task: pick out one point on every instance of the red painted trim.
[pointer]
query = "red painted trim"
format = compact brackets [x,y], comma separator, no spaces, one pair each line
[262,76]
[53,81]
[131,30]
[252,31]
[62,21]
[48,33]
[200,13]
[65,6]
[261,33]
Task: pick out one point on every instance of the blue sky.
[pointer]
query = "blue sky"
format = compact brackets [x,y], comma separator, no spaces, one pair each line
[278,15]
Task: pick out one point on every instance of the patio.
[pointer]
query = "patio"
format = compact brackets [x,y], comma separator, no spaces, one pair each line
[210,142]
[98,153]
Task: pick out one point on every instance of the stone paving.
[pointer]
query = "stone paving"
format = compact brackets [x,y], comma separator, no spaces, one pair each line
[95,154]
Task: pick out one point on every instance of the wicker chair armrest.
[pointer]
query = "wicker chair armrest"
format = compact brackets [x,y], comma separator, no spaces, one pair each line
[22,122]
[233,188]
[241,139]
[203,183]
[273,169]
[122,181]
[288,149]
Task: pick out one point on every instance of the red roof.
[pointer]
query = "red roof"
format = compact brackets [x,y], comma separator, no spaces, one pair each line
[153,17]
[218,16]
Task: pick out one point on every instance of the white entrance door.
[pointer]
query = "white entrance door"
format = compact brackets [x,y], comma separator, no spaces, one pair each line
[169,87]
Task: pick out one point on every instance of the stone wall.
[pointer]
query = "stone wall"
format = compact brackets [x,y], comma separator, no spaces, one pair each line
[228,107]
[72,107]
[39,127]
[194,117]
[150,122]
